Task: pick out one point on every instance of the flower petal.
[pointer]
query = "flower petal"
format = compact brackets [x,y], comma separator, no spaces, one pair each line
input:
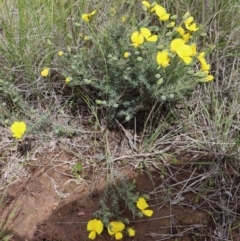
[95,225]
[134,36]
[45,72]
[85,17]
[118,236]
[115,227]
[119,226]
[131,232]
[137,39]
[209,78]
[176,43]
[164,17]
[194,49]
[92,235]
[126,55]
[99,227]
[160,11]
[152,38]
[147,212]
[92,13]
[163,59]
[190,25]
[180,30]
[146,4]
[18,129]
[91,224]
[204,65]
[141,203]
[145,32]
[185,52]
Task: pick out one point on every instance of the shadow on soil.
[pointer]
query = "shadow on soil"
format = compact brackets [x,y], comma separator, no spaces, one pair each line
[179,214]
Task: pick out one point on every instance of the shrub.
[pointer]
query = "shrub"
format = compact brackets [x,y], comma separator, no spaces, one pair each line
[137,61]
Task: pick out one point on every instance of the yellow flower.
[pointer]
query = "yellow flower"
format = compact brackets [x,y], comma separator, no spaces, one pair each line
[123,19]
[176,43]
[131,232]
[68,79]
[87,16]
[18,129]
[137,39]
[185,52]
[204,65]
[146,4]
[60,53]
[163,59]
[45,72]
[126,55]
[185,36]
[161,13]
[147,35]
[95,227]
[201,55]
[194,49]
[208,78]
[116,228]
[190,25]
[142,205]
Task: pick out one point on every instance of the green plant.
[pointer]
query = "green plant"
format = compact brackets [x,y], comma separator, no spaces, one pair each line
[159,64]
[76,169]
[119,195]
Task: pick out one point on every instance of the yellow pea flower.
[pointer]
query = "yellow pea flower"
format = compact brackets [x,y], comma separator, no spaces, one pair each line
[131,232]
[161,13]
[68,79]
[147,35]
[116,228]
[137,39]
[176,43]
[201,55]
[163,58]
[142,205]
[209,78]
[190,25]
[18,129]
[126,55]
[45,72]
[185,36]
[146,4]
[95,227]
[204,65]
[194,49]
[60,53]
[87,16]
[185,52]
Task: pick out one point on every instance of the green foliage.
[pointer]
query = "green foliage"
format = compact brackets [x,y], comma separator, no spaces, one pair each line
[76,169]
[9,95]
[119,195]
[124,79]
